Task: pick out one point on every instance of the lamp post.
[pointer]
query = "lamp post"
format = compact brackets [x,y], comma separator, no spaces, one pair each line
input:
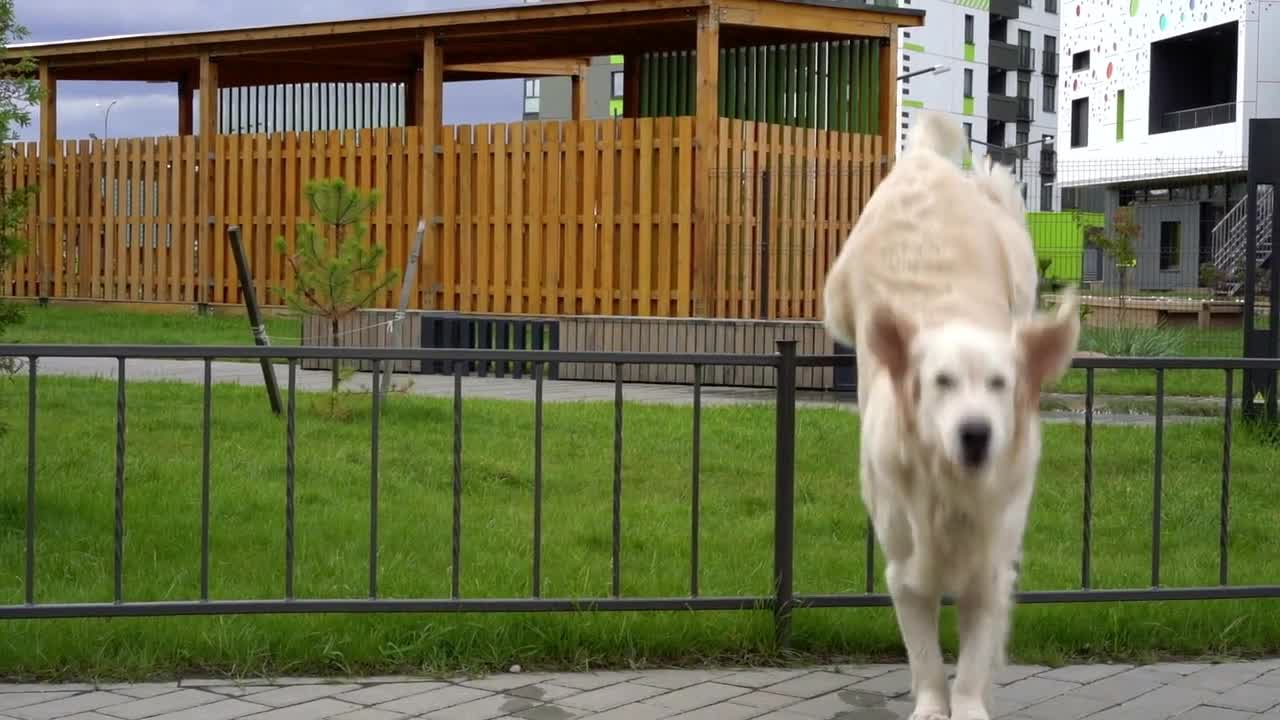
[106,118]
[933,69]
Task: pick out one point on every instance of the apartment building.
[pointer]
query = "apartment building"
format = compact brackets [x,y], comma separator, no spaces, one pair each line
[1157,96]
[997,73]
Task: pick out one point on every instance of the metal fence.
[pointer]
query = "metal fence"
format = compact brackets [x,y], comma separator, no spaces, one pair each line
[781,602]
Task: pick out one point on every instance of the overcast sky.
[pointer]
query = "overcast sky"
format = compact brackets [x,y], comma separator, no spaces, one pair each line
[148,110]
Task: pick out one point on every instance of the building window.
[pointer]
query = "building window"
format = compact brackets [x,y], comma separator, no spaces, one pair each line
[1046,197]
[618,83]
[1080,61]
[968,29]
[968,82]
[1080,123]
[1024,38]
[1049,103]
[1119,115]
[1051,6]
[968,131]
[532,96]
[1170,245]
[1022,139]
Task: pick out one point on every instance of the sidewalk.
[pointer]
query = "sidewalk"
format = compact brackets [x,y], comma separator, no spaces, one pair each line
[250,374]
[1098,692]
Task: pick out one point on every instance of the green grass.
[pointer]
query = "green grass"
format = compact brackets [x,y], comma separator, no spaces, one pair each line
[76,466]
[72,324]
[69,324]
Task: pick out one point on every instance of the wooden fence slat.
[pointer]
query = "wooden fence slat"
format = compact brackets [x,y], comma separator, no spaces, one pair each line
[501,202]
[466,242]
[684,182]
[665,238]
[536,212]
[608,259]
[554,228]
[484,214]
[645,258]
[587,218]
[519,228]
[626,279]
[571,190]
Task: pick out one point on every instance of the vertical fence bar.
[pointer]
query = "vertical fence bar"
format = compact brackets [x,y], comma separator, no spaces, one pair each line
[617,481]
[29,580]
[1157,490]
[206,477]
[1224,516]
[290,474]
[374,433]
[696,509]
[119,503]
[455,583]
[1086,555]
[784,491]
[537,479]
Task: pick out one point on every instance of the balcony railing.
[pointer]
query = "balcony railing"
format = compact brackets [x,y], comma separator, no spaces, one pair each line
[1192,118]
[1005,8]
[1049,63]
[1002,108]
[1026,109]
[1026,58]
[1003,55]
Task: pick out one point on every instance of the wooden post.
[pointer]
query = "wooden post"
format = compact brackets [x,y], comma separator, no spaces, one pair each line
[581,109]
[47,244]
[206,170]
[631,70]
[706,144]
[186,105]
[889,93]
[431,92]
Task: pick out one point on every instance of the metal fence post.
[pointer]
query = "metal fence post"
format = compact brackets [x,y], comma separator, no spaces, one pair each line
[784,524]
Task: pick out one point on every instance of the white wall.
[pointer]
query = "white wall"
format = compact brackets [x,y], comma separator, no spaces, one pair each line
[1119,34]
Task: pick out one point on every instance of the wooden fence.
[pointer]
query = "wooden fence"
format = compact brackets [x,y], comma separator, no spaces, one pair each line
[588,217]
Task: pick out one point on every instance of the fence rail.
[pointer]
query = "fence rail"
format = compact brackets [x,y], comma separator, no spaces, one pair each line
[782,602]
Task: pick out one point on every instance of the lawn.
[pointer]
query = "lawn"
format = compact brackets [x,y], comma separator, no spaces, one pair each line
[59,324]
[76,466]
[72,324]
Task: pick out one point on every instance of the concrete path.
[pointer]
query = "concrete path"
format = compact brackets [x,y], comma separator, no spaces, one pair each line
[858,692]
[250,374]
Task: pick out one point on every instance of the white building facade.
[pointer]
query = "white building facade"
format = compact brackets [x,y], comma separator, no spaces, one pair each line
[1002,79]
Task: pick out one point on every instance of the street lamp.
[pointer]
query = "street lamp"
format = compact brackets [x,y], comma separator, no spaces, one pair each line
[934,69]
[106,118]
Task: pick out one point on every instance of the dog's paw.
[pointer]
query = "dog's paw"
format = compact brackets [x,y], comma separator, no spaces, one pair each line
[929,715]
[968,710]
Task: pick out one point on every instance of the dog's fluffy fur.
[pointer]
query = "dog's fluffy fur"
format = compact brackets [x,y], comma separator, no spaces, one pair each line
[936,291]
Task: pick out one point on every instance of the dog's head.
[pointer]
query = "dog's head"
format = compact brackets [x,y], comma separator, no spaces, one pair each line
[964,388]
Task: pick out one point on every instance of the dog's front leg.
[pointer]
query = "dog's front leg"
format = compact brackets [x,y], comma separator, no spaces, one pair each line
[918,620]
[984,623]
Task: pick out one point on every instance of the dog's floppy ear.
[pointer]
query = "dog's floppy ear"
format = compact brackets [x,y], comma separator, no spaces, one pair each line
[889,340]
[1048,343]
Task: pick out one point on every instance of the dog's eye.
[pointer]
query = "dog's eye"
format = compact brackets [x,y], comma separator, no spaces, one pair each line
[997,383]
[945,382]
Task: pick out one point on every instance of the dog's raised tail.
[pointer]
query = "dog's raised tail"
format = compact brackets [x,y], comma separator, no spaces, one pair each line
[940,134]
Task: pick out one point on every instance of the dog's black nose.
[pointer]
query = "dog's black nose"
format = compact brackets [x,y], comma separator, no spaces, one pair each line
[975,441]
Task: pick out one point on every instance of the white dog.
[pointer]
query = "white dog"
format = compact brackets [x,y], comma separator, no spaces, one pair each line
[936,291]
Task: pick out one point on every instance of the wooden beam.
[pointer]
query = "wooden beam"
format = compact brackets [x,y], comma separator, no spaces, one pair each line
[631,76]
[706,147]
[186,106]
[889,94]
[867,21]
[45,250]
[413,99]
[431,94]
[207,170]
[580,107]
[526,68]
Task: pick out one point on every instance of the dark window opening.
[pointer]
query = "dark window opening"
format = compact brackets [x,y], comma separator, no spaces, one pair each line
[968,83]
[1080,61]
[1080,122]
[1193,79]
[968,29]
[1170,245]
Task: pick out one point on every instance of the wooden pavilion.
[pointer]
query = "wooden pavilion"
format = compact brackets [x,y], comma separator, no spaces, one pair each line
[663,212]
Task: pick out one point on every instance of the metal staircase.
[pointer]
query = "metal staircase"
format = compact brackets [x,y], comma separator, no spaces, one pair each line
[1230,237]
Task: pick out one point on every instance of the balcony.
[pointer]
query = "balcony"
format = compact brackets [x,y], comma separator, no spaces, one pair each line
[1026,58]
[1026,109]
[1048,161]
[1003,56]
[1005,8]
[1050,63]
[1003,156]
[1192,118]
[1002,108]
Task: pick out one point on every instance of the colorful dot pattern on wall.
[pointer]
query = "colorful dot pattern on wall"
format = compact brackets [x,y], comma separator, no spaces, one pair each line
[1118,36]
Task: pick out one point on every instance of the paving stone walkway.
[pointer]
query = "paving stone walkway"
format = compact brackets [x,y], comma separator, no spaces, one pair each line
[1186,691]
